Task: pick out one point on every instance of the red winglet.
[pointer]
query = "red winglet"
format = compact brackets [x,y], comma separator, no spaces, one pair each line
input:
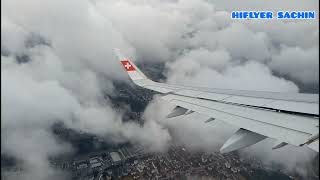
[127,65]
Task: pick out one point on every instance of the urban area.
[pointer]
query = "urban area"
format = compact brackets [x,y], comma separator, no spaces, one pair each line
[100,160]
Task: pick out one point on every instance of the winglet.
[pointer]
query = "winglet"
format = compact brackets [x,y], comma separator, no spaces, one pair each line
[132,70]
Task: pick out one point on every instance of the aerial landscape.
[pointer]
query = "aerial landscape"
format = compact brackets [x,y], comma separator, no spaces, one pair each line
[159,89]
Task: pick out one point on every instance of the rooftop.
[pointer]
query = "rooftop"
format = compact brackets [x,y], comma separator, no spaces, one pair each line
[115,156]
[96,165]
[92,161]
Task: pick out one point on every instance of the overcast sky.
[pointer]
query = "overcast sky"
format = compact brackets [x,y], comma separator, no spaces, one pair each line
[196,40]
[272,5]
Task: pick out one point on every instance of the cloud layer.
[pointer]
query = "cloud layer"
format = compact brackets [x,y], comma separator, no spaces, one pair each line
[57,63]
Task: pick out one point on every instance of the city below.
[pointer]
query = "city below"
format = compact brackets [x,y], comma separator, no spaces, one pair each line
[129,162]
[132,162]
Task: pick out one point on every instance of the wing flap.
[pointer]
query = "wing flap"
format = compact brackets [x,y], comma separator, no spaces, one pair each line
[213,96]
[314,145]
[286,127]
[302,107]
[248,100]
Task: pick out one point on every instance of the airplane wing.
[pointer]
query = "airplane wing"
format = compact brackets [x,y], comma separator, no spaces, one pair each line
[291,118]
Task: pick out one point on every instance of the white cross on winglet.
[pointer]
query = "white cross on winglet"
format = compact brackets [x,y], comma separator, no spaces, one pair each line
[128,65]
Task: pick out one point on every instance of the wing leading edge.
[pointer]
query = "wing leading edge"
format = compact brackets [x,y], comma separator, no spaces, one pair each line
[291,118]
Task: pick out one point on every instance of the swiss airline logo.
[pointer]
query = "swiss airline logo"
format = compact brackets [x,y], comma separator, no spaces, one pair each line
[127,65]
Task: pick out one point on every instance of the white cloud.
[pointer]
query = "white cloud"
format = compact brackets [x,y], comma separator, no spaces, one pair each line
[186,71]
[300,64]
[196,40]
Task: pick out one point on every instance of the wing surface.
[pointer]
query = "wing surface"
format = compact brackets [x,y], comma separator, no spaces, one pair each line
[291,118]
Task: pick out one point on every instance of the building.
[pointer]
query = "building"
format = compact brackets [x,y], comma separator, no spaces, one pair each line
[82,166]
[95,163]
[116,159]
